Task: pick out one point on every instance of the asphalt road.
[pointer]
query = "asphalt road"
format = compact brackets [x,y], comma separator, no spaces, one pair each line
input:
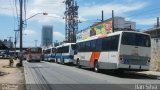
[52,76]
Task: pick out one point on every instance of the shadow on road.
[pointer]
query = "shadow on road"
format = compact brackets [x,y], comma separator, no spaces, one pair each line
[35,62]
[125,74]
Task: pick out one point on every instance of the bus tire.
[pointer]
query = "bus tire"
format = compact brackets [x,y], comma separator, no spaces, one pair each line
[56,61]
[96,66]
[62,61]
[78,64]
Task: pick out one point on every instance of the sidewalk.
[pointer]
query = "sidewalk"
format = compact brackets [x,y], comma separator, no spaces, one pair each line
[13,75]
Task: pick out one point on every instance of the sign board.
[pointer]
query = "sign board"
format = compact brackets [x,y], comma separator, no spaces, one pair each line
[99,29]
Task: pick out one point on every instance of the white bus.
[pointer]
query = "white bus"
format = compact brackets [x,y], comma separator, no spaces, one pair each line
[65,53]
[34,54]
[49,54]
[46,53]
[122,50]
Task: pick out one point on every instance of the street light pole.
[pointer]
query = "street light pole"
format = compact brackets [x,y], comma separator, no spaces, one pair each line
[35,15]
[21,28]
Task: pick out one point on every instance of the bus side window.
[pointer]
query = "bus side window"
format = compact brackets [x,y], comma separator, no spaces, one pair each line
[98,44]
[114,43]
[81,47]
[87,46]
[93,45]
[106,44]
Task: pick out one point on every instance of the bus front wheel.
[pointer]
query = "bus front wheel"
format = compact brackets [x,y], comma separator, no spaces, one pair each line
[96,67]
[56,60]
[62,61]
[78,64]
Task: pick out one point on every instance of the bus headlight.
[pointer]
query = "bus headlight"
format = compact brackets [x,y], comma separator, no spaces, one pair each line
[121,59]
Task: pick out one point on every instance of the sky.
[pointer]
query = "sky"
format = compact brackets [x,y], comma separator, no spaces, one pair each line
[143,12]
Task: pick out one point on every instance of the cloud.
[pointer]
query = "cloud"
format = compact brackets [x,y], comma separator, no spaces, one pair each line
[7,8]
[147,21]
[143,21]
[54,8]
[107,8]
[58,36]
[82,18]
[29,32]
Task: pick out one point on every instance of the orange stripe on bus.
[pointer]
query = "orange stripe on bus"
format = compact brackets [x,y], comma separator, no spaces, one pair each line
[94,56]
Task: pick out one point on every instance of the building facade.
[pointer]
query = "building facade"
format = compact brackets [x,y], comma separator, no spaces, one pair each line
[120,24]
[8,43]
[155,37]
[47,36]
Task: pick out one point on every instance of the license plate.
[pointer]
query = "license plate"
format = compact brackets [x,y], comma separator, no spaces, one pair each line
[126,62]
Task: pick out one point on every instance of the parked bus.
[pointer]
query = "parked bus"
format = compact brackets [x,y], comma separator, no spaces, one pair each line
[52,57]
[65,53]
[49,54]
[122,50]
[34,54]
[4,53]
[46,54]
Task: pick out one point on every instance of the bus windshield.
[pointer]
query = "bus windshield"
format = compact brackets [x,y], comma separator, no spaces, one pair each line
[35,50]
[73,46]
[135,39]
[53,50]
[48,51]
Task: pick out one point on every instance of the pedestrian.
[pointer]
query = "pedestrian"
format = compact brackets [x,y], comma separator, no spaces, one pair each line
[11,62]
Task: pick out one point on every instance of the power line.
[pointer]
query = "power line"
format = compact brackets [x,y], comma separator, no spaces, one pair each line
[12,7]
[15,4]
[25,23]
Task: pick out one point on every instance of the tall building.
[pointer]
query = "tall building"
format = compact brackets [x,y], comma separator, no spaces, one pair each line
[47,36]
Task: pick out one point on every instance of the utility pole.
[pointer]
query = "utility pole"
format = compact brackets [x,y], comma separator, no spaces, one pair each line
[157,22]
[21,28]
[71,20]
[102,16]
[113,20]
[157,32]
[157,28]
[15,42]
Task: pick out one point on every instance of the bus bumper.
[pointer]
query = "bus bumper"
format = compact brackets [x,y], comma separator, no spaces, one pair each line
[68,61]
[51,59]
[133,67]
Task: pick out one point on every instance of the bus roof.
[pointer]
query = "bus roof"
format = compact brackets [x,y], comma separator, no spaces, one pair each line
[110,34]
[65,44]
